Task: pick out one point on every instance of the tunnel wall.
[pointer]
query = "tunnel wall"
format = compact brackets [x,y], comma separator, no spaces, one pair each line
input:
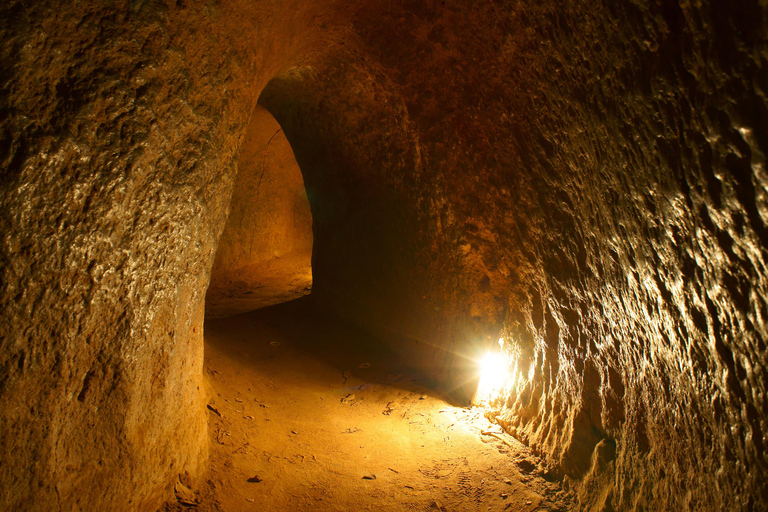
[642,318]
[605,164]
[111,200]
[120,124]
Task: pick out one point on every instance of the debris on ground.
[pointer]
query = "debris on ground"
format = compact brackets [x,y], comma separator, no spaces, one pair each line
[297,454]
[184,495]
[439,506]
[391,406]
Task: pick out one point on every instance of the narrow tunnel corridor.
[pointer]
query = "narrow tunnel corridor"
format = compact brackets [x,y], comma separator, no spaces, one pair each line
[264,255]
[308,412]
[577,186]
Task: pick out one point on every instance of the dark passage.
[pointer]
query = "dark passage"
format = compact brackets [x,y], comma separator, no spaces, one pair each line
[264,256]
[557,211]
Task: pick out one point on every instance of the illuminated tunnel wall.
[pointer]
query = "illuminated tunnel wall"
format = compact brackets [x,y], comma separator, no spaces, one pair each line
[585,180]
[264,255]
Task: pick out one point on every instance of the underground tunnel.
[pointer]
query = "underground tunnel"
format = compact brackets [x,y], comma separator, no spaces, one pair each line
[264,255]
[438,255]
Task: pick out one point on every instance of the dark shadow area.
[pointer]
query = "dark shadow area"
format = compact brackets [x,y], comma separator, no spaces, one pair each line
[336,341]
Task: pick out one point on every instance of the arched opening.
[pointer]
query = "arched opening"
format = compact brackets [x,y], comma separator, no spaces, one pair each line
[264,256]
[311,401]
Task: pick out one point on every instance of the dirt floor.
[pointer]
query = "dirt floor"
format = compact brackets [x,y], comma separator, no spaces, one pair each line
[309,414]
[261,284]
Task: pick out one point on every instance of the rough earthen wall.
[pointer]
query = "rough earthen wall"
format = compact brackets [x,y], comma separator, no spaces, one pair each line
[120,123]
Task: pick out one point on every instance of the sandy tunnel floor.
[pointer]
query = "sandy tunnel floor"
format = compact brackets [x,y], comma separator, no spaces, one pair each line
[305,415]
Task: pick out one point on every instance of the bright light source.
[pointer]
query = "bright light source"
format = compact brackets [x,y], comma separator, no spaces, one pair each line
[494,375]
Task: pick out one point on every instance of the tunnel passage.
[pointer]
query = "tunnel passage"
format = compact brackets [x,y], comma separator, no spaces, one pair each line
[588,175]
[264,256]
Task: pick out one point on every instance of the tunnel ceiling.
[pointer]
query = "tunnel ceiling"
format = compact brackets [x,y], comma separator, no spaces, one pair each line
[584,179]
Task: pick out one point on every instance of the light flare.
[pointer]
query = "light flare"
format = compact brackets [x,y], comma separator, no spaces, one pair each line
[496,375]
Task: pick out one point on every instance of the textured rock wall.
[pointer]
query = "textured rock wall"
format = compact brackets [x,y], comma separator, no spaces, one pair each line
[264,255]
[120,122]
[586,179]
[604,163]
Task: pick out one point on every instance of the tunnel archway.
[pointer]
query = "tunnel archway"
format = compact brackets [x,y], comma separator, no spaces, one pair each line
[376,218]
[264,255]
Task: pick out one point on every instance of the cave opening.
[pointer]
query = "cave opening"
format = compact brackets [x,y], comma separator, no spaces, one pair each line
[264,255]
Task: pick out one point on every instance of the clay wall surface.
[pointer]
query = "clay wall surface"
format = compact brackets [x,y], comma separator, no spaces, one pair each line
[121,122]
[605,163]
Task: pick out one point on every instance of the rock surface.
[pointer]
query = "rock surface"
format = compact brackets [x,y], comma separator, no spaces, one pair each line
[585,179]
[120,126]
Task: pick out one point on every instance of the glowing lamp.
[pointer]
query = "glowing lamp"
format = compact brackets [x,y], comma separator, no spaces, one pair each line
[494,376]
